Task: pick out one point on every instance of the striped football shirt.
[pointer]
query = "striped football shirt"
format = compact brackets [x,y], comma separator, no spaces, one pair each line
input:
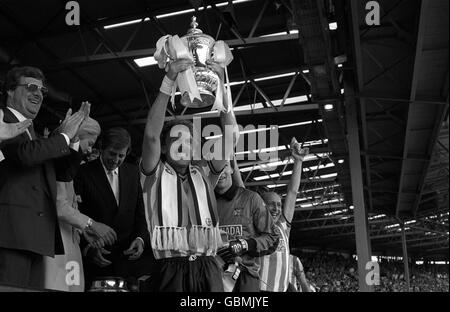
[274,272]
[151,198]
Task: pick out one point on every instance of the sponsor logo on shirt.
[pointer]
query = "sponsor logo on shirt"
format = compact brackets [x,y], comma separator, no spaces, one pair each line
[233,231]
[237,211]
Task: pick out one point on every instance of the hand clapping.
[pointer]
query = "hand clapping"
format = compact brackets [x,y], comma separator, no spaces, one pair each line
[72,122]
[11,130]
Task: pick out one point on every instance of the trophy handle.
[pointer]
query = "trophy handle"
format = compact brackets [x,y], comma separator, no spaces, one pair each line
[165,48]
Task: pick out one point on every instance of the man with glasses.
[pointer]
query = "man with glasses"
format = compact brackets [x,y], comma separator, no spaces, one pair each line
[28,221]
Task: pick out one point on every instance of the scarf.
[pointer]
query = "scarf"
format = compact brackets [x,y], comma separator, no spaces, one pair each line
[173,214]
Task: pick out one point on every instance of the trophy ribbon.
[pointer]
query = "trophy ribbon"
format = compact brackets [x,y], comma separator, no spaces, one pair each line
[223,56]
[160,54]
[185,80]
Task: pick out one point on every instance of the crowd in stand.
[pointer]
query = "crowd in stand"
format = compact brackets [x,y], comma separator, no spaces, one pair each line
[338,273]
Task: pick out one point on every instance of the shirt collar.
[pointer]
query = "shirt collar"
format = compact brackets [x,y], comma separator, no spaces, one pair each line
[18,114]
[115,171]
[229,194]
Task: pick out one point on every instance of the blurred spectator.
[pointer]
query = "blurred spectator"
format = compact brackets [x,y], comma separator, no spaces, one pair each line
[335,273]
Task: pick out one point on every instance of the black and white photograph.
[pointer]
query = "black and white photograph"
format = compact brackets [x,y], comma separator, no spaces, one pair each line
[224,150]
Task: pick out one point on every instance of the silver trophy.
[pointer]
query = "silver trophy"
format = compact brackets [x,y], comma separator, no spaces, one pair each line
[202,47]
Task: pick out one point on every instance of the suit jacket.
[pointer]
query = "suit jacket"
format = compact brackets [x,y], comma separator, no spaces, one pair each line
[99,203]
[28,219]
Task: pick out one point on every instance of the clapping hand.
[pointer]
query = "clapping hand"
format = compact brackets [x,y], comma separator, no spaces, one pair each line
[297,152]
[11,130]
[85,108]
[72,122]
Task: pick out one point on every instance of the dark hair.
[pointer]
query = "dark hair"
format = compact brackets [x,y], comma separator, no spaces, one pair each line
[12,79]
[13,76]
[168,126]
[115,137]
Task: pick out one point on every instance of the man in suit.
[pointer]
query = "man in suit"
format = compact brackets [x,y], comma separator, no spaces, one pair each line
[111,193]
[28,221]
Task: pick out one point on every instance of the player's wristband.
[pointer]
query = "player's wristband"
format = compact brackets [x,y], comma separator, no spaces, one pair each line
[244,244]
[239,247]
[166,86]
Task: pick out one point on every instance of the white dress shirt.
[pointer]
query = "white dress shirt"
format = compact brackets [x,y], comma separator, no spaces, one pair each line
[113,178]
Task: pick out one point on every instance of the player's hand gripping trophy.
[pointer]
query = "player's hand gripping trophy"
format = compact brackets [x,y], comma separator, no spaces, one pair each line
[203,85]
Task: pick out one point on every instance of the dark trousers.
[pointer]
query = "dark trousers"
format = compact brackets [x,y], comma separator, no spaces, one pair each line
[21,268]
[200,274]
[246,283]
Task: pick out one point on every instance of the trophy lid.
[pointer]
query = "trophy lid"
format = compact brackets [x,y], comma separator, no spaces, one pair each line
[194,30]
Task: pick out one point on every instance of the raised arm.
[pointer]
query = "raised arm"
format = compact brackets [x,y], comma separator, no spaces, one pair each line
[151,147]
[294,183]
[230,129]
